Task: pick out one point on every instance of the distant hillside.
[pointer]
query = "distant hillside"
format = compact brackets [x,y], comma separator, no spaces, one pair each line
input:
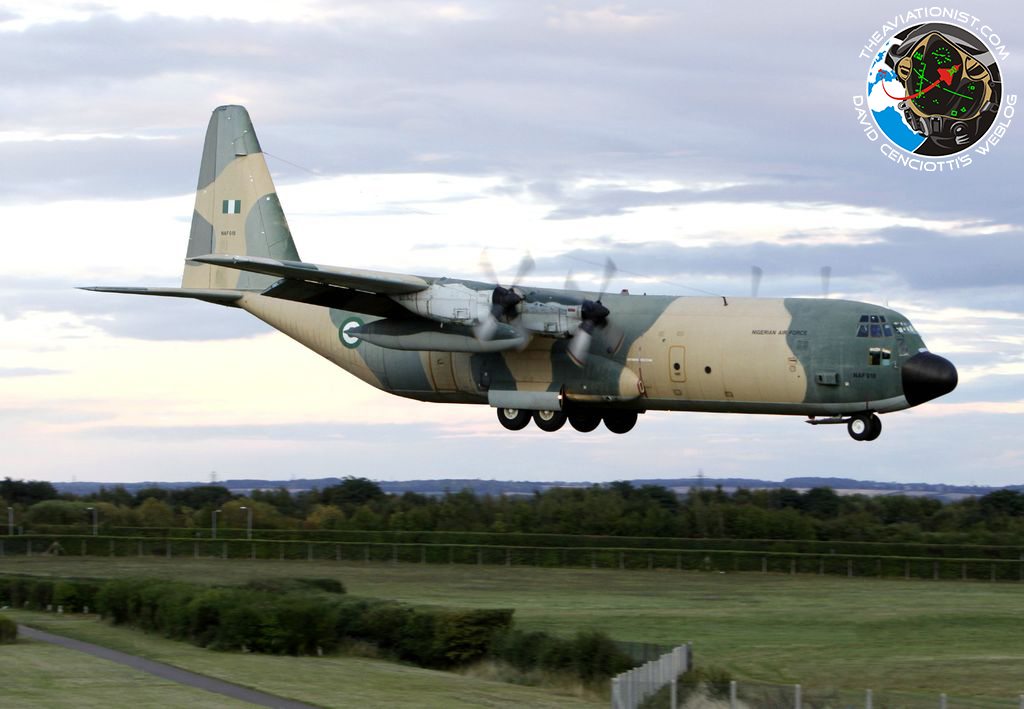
[525,487]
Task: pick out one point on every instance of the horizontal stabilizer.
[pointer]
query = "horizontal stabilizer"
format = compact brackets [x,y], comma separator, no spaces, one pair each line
[210,295]
[370,281]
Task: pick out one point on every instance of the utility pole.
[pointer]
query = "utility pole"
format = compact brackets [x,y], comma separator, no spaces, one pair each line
[213,526]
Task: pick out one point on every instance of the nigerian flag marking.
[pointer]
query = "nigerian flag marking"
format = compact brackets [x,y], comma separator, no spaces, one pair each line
[231,206]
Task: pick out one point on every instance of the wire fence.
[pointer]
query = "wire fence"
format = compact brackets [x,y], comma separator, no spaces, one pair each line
[707,560]
[748,694]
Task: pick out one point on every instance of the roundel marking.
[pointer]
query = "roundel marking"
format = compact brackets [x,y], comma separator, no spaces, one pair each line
[347,339]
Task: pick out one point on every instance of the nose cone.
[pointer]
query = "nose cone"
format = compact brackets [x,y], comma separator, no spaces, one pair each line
[927,376]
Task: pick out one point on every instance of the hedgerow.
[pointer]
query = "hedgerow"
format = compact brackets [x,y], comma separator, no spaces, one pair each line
[310,616]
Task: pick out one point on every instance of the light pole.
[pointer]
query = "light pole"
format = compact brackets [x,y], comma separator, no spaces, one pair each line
[248,526]
[95,520]
[10,521]
[213,527]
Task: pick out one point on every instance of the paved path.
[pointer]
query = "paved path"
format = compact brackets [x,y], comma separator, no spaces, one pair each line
[170,672]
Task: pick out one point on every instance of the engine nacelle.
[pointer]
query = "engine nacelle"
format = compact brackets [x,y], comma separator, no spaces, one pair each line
[447,303]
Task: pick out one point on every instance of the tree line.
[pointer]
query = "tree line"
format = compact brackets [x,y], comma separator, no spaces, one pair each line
[615,509]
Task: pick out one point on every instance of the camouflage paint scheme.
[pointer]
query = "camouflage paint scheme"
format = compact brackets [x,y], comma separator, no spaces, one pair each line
[797,356]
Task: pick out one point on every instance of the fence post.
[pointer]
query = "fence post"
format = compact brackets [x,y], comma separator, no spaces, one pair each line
[821,567]
[615,693]
[593,559]
[622,559]
[252,551]
[366,553]
[942,701]
[195,550]
[935,571]
[479,556]
[309,551]
[993,578]
[963,571]
[224,550]
[849,567]
[1022,701]
[83,548]
[672,701]
[797,696]
[764,564]
[869,700]
[337,552]
[140,547]
[169,545]
[792,566]
[732,694]
[906,570]
[508,556]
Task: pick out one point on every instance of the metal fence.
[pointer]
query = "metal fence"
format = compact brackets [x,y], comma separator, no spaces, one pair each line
[631,689]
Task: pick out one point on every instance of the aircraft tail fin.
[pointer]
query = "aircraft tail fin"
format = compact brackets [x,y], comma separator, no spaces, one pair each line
[237,211]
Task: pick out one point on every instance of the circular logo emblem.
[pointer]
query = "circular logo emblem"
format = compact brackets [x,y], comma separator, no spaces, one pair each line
[934,89]
[346,339]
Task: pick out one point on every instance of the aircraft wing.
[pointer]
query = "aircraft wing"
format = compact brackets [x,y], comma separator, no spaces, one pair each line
[377,282]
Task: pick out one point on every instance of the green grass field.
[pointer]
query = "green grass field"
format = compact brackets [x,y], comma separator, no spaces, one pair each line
[38,674]
[963,638]
[57,677]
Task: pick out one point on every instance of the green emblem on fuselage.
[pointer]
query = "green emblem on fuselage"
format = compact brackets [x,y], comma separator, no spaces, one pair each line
[346,339]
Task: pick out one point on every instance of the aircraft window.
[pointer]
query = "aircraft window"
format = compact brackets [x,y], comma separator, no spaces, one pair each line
[874,318]
[863,318]
[881,318]
[862,331]
[876,330]
[879,357]
[887,330]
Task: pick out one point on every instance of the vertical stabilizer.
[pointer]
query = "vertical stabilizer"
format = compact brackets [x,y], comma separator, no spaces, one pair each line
[237,211]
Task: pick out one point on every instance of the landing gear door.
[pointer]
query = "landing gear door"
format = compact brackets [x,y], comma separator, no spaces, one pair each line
[441,371]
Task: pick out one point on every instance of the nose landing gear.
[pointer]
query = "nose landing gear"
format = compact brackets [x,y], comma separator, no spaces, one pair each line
[864,427]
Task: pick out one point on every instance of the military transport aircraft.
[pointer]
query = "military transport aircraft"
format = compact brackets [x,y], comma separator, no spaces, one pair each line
[540,354]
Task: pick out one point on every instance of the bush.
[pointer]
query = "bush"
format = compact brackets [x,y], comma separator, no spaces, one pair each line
[8,630]
[590,655]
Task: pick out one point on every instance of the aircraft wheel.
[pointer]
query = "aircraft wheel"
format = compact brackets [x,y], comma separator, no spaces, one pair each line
[584,422]
[513,419]
[876,428]
[620,421]
[549,421]
[860,427]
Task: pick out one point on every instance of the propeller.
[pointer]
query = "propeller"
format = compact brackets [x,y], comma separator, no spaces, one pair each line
[504,301]
[755,280]
[593,314]
[826,276]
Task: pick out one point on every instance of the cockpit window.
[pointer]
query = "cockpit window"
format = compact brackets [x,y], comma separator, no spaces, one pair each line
[904,328]
[878,356]
[876,326]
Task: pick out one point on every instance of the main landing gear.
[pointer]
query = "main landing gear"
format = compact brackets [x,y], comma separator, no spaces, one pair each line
[582,421]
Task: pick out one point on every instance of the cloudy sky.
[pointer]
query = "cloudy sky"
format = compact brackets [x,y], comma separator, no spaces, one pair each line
[688,141]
